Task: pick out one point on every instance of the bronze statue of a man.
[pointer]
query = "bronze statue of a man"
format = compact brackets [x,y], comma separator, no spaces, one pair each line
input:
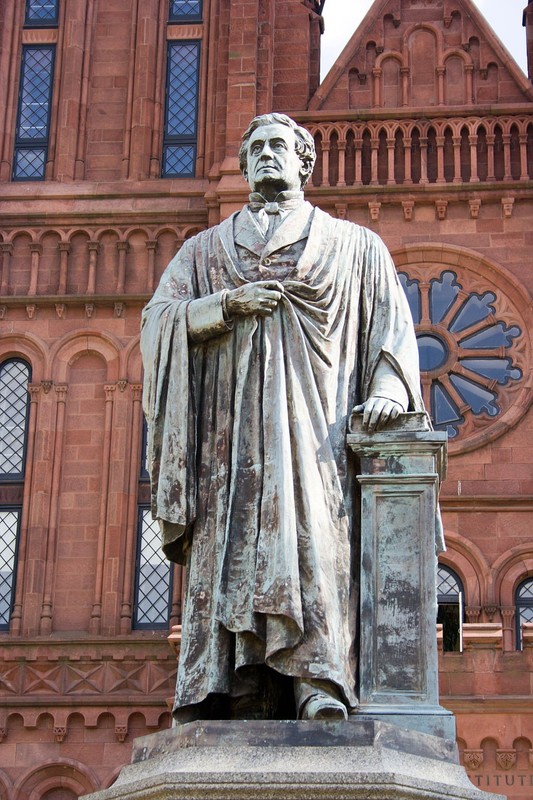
[263,335]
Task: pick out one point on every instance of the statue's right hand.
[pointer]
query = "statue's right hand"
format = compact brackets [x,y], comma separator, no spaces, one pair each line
[254,298]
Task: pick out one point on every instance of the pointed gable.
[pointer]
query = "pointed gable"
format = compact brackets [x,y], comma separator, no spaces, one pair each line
[420,54]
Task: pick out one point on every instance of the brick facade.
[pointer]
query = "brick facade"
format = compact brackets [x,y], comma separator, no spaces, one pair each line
[424,129]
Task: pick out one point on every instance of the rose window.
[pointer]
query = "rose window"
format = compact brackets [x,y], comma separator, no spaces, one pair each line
[472,354]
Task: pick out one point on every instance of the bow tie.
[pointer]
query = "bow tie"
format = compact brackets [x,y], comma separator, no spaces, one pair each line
[285,201]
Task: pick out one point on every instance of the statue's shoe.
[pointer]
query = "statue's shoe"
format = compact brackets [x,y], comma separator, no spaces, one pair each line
[321,706]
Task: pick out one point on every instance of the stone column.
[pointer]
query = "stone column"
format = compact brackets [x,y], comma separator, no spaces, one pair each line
[399,472]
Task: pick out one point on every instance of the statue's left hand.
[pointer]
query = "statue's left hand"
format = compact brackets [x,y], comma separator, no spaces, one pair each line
[378,412]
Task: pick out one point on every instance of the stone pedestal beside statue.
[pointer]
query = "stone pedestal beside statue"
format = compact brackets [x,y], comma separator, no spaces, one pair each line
[400,471]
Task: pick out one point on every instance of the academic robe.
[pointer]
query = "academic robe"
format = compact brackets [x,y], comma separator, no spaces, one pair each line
[251,479]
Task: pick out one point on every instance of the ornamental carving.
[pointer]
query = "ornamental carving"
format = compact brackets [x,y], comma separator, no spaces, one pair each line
[89,679]
[473,759]
[506,759]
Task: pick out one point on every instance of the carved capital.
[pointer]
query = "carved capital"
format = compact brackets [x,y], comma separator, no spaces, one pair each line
[60,310]
[137,390]
[31,311]
[506,759]
[89,310]
[59,733]
[473,759]
[36,247]
[118,309]
[122,246]
[508,614]
[6,247]
[109,389]
[490,611]
[64,247]
[34,389]
[151,244]
[122,383]
[61,390]
[473,614]
[47,385]
[93,246]
[121,731]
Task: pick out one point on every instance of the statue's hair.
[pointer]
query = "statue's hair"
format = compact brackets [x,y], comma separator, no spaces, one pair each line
[305,145]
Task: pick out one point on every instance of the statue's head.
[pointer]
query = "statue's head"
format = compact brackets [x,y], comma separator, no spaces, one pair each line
[277,152]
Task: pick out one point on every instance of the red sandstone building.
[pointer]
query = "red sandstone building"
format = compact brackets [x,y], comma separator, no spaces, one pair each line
[121,123]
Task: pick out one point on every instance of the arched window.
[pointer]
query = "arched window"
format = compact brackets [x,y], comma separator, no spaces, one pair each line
[15,375]
[450,599]
[153,573]
[523,607]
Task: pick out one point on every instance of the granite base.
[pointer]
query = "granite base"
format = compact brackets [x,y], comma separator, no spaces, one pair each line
[354,760]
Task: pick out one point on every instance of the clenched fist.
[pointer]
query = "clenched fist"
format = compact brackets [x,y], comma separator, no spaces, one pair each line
[254,298]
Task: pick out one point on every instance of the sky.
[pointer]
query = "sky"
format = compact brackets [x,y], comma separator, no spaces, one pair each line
[343,16]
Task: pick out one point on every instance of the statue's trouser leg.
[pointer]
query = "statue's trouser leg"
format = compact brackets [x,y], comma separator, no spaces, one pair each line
[316,699]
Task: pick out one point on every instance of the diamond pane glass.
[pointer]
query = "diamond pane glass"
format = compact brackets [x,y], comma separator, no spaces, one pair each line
[178,160]
[525,590]
[185,9]
[153,580]
[14,377]
[35,93]
[30,163]
[41,11]
[524,607]
[182,90]
[448,584]
[9,524]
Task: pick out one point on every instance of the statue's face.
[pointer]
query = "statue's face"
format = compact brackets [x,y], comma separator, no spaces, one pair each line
[272,159]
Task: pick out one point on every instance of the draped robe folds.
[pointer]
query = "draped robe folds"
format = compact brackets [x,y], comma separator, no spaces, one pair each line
[251,480]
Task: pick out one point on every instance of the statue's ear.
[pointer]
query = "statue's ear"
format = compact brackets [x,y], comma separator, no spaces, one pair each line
[305,172]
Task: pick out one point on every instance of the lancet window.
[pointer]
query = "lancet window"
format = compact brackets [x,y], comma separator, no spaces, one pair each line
[450,599]
[185,10]
[14,406]
[41,13]
[181,109]
[524,607]
[33,115]
[153,573]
